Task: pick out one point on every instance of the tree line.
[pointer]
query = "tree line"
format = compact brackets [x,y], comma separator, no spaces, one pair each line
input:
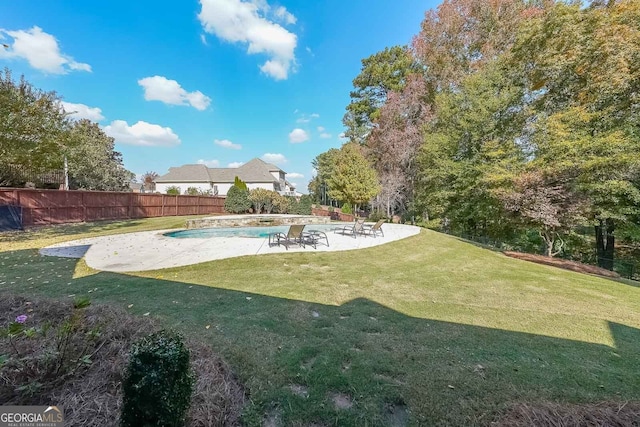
[506,119]
[36,135]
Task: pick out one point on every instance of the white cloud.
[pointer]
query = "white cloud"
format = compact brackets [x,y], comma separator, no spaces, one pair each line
[342,137]
[275,69]
[248,22]
[209,163]
[159,88]
[225,143]
[306,118]
[235,164]
[298,135]
[274,158]
[294,175]
[203,38]
[323,134]
[81,111]
[142,133]
[284,15]
[41,50]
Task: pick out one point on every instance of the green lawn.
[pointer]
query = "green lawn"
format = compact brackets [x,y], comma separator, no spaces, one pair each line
[428,330]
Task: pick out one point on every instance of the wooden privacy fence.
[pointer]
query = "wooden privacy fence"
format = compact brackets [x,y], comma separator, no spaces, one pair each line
[40,207]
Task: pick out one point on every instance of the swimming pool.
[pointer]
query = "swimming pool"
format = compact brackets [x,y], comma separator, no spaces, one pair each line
[256,232]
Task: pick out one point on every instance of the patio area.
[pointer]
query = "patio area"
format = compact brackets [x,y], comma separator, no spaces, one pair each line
[152,250]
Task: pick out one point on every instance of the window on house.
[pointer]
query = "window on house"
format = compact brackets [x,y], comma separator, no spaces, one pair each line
[215,190]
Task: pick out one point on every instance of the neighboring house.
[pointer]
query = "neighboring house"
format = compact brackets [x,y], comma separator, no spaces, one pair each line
[256,173]
[136,187]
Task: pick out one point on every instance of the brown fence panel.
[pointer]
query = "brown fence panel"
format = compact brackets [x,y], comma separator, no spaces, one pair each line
[170,205]
[8,197]
[58,207]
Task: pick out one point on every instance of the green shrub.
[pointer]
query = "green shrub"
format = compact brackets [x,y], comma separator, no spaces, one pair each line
[301,206]
[304,205]
[346,208]
[262,199]
[376,216]
[240,184]
[158,383]
[193,191]
[237,200]
[433,224]
[173,191]
[283,204]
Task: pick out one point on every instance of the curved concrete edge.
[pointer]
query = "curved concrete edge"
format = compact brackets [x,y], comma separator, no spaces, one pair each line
[151,250]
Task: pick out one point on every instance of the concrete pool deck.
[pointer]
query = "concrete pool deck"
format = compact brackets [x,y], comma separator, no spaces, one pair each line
[151,250]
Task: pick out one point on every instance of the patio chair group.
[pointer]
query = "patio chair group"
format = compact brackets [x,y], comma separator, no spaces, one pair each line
[298,235]
[362,229]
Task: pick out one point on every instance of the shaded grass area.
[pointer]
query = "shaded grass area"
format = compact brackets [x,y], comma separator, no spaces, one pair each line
[425,331]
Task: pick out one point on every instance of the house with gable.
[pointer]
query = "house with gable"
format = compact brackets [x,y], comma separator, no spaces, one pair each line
[256,173]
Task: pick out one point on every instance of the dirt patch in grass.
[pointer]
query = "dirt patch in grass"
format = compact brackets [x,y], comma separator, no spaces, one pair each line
[563,263]
[77,357]
[299,390]
[273,418]
[606,414]
[397,415]
[341,401]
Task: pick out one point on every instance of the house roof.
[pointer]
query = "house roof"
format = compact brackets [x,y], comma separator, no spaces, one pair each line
[186,173]
[255,170]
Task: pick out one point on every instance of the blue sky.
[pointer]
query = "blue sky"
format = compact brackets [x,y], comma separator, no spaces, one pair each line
[213,81]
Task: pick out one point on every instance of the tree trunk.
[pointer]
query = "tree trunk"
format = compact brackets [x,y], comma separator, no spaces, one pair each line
[388,207]
[549,240]
[605,243]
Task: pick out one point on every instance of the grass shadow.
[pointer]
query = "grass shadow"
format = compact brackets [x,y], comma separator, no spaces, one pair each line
[297,358]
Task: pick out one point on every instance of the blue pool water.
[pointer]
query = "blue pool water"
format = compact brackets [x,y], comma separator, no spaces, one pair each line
[203,233]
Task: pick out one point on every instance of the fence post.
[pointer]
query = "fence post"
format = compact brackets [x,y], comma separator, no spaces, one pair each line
[162,209]
[84,207]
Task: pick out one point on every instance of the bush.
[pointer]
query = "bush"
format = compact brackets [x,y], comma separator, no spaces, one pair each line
[195,191]
[304,205]
[173,191]
[376,216]
[262,199]
[300,206]
[283,204]
[346,208]
[158,383]
[237,200]
[240,184]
